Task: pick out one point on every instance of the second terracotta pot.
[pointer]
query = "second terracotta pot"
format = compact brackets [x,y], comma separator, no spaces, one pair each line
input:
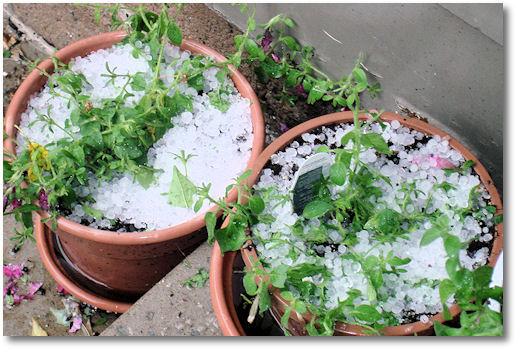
[221,266]
[118,266]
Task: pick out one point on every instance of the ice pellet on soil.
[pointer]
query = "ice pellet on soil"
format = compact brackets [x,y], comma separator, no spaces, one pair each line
[427,262]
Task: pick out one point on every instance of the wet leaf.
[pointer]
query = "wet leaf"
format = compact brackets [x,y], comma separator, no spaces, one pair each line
[182,190]
[61,316]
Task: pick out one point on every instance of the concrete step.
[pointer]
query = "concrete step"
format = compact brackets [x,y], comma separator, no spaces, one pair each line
[170,308]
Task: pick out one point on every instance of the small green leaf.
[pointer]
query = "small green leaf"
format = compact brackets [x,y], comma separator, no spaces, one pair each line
[97,14]
[322,149]
[367,313]
[90,211]
[300,307]
[256,204]
[440,227]
[250,285]
[397,261]
[376,141]
[145,177]
[211,221]
[244,176]
[181,191]
[451,266]
[371,293]
[218,102]
[316,209]
[446,289]
[361,78]
[287,295]
[338,173]
[27,208]
[289,22]
[279,276]
[174,34]
[265,298]
[252,48]
[467,164]
[291,43]
[371,262]
[232,237]
[292,78]
[317,91]
[482,276]
[452,245]
[198,280]
[138,83]
[7,53]
[198,204]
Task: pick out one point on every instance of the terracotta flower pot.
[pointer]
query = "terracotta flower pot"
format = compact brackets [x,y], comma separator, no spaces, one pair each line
[220,282]
[118,266]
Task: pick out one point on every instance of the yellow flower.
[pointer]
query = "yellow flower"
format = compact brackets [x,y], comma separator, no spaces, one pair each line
[41,159]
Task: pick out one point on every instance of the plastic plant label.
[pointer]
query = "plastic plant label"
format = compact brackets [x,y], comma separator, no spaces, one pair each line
[309,173]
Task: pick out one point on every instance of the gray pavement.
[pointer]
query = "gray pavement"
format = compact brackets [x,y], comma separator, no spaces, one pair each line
[170,308]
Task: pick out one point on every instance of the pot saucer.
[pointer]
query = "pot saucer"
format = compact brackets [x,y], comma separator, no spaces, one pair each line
[57,264]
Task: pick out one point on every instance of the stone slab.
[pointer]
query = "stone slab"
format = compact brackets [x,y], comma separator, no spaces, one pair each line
[170,308]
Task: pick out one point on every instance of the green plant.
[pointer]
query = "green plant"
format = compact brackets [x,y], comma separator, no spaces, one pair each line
[351,209]
[471,290]
[115,137]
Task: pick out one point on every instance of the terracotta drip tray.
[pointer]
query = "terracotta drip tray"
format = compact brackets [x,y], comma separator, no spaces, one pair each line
[86,281]
[73,279]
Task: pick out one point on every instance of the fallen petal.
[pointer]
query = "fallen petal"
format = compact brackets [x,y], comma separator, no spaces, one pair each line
[14,270]
[77,322]
[34,286]
[61,290]
[438,162]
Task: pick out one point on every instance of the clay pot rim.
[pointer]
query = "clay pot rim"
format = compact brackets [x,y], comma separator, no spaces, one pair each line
[224,312]
[343,117]
[63,280]
[17,106]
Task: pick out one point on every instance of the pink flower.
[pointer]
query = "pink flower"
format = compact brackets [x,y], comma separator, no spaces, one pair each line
[34,286]
[17,299]
[283,127]
[10,288]
[61,290]
[416,161]
[301,89]
[77,322]
[275,58]
[15,204]
[28,296]
[436,161]
[266,41]
[43,200]
[14,270]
